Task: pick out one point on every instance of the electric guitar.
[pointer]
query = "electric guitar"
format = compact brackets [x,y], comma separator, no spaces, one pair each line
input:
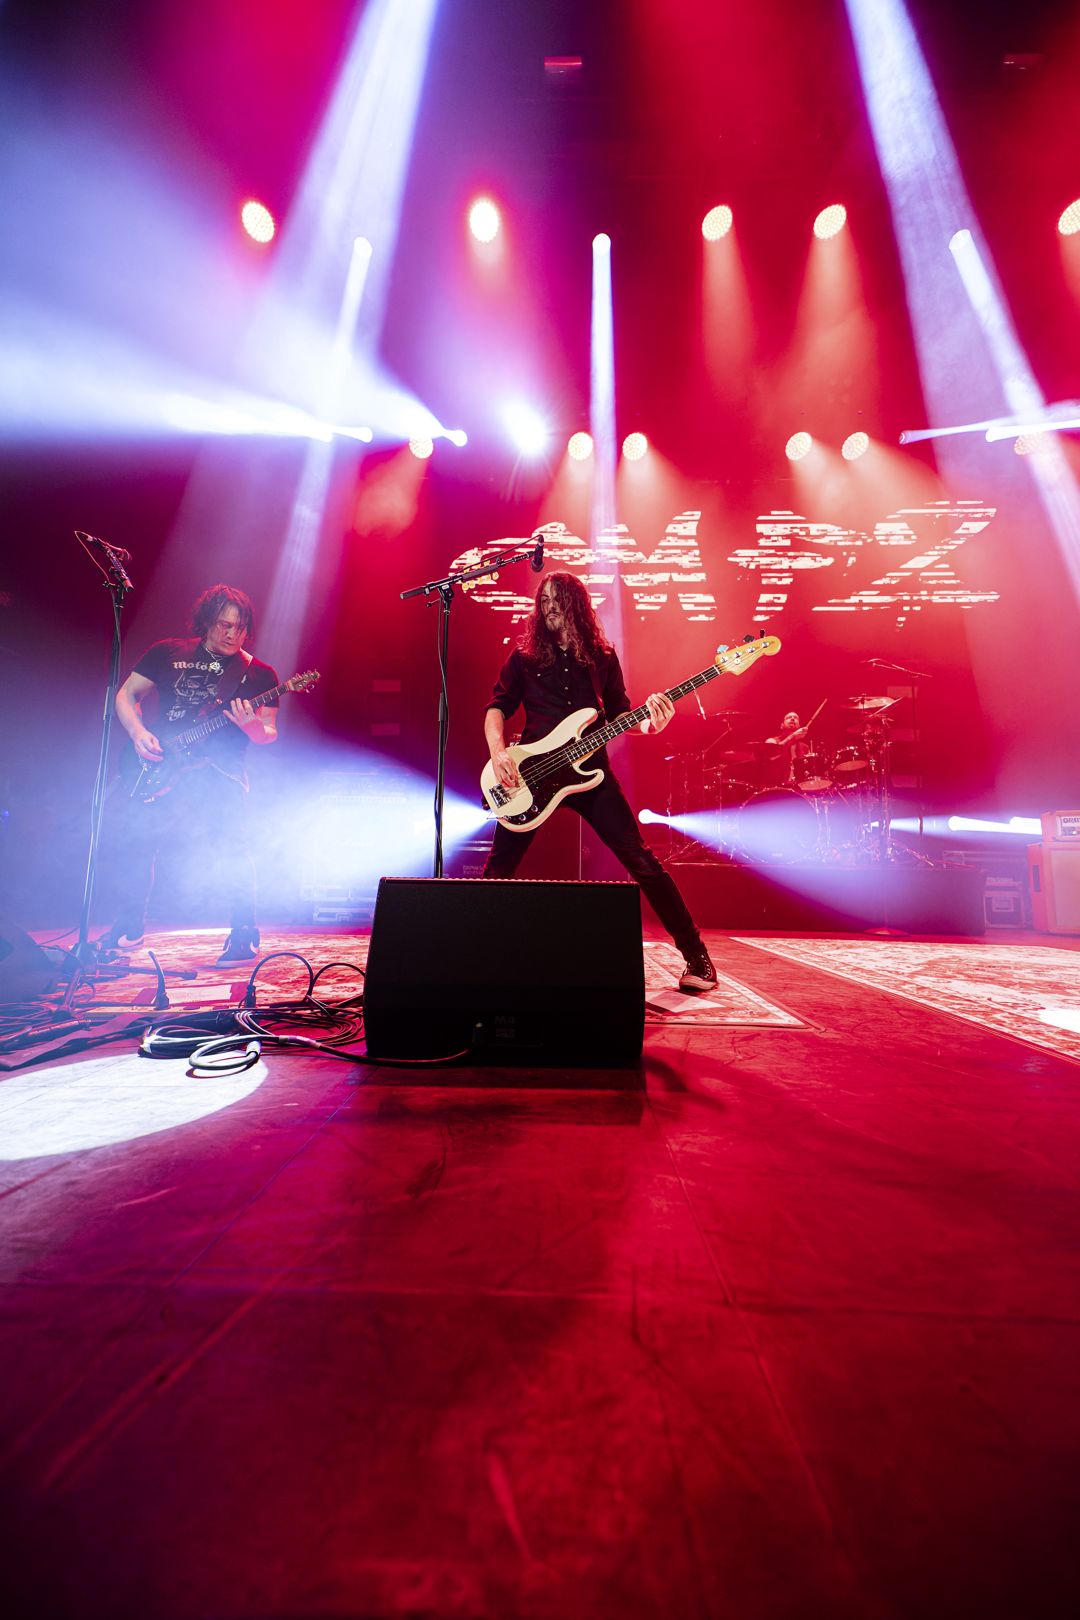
[549,768]
[188,749]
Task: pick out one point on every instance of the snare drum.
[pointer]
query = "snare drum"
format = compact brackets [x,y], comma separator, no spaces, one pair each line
[813,773]
[850,762]
[779,825]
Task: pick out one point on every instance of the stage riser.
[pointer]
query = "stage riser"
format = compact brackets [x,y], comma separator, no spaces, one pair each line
[915,900]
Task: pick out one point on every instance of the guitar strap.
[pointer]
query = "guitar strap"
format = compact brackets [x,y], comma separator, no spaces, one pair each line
[236,680]
[597,694]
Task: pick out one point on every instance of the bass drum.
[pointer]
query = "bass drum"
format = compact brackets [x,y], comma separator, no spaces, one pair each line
[779,827]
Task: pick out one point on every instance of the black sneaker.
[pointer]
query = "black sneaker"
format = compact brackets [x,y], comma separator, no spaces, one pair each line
[242,945]
[119,938]
[699,973]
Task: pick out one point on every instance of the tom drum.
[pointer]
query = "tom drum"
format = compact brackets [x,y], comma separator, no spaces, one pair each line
[813,773]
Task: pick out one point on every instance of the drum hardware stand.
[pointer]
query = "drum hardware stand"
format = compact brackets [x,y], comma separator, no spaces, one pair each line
[912,677]
[444,590]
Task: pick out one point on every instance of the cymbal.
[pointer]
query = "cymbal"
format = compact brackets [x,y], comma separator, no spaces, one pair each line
[737,756]
[870,705]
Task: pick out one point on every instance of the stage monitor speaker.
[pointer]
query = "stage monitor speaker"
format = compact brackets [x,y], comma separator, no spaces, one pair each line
[25,970]
[506,970]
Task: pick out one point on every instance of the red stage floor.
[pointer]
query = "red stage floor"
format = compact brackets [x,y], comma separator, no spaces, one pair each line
[790,1330]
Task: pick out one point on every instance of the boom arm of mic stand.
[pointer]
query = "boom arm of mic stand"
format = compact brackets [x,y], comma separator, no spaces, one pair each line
[493,566]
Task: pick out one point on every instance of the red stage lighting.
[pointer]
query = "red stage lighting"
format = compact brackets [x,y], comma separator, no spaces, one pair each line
[830,222]
[854,446]
[634,446]
[798,446]
[258,221]
[717,222]
[580,447]
[421,448]
[1069,222]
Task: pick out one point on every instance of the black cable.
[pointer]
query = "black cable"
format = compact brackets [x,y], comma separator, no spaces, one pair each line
[232,1041]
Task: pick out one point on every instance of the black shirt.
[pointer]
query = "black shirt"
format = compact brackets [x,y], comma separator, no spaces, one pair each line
[550,694]
[188,679]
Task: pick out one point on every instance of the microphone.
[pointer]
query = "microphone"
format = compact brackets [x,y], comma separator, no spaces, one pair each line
[114,557]
[93,540]
[536,562]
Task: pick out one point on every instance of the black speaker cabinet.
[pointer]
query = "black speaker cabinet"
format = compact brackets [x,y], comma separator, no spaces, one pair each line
[507,970]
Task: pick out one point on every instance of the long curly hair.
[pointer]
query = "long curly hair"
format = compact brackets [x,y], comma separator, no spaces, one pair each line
[586,640]
[214,601]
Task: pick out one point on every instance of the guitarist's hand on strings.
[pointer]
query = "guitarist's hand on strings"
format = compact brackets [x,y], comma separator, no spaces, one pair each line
[147,746]
[661,709]
[505,769]
[253,724]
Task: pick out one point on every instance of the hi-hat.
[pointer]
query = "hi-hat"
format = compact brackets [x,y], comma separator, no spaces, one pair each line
[870,705]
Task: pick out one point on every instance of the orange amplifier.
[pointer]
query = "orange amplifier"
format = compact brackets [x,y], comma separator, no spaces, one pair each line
[1061,827]
[1054,882]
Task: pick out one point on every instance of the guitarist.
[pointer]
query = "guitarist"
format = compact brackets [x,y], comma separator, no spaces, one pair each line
[185,679]
[564,662]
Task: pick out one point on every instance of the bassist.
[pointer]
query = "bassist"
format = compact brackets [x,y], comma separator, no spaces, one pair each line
[209,672]
[563,663]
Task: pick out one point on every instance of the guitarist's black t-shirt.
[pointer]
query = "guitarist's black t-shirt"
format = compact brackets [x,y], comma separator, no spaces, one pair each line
[188,680]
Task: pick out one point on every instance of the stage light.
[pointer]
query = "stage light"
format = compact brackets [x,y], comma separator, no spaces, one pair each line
[854,446]
[798,446]
[1031,444]
[421,448]
[580,447]
[527,428]
[647,816]
[457,436]
[602,399]
[634,446]
[717,223]
[830,222]
[258,221]
[1069,223]
[1021,826]
[484,220]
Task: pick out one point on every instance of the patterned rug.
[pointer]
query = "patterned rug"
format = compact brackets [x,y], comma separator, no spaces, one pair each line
[1031,992]
[731,1003]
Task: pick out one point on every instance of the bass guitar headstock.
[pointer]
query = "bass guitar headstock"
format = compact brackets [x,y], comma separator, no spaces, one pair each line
[733,660]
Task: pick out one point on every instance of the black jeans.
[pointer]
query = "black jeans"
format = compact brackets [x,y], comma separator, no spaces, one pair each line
[612,820]
[206,816]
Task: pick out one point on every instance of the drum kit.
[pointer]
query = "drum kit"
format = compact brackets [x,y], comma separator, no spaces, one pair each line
[776,805]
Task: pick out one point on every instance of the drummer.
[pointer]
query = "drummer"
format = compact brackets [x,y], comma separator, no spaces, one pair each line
[790,744]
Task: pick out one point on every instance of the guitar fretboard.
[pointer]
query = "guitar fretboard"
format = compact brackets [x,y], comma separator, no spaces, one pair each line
[214,722]
[633,717]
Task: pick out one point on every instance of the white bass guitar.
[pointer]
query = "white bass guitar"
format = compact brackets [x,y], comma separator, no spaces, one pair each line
[550,768]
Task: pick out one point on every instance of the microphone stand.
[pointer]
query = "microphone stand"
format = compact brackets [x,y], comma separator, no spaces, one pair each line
[444,589]
[117,583]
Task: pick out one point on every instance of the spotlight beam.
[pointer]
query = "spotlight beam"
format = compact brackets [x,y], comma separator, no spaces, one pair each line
[1056,418]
